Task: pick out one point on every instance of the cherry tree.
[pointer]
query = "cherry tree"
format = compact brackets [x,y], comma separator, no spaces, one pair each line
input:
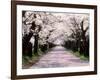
[80,32]
[32,23]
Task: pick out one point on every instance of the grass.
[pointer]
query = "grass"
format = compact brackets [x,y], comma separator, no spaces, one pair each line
[81,56]
[29,61]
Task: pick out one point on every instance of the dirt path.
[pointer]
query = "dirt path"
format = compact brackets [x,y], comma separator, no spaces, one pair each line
[59,57]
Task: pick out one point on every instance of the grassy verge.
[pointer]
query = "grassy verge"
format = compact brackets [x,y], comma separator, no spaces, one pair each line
[81,56]
[29,61]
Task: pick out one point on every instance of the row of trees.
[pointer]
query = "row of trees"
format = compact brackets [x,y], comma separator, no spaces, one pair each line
[42,30]
[36,25]
[80,35]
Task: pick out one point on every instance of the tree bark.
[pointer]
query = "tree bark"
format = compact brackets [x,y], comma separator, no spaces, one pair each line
[36,44]
[26,45]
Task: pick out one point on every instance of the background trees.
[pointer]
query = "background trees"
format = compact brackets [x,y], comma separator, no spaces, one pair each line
[80,34]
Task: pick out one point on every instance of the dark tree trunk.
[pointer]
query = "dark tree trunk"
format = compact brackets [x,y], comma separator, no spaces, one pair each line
[36,44]
[84,45]
[27,46]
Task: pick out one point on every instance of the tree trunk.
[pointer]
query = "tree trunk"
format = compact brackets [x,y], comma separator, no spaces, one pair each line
[26,45]
[36,45]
